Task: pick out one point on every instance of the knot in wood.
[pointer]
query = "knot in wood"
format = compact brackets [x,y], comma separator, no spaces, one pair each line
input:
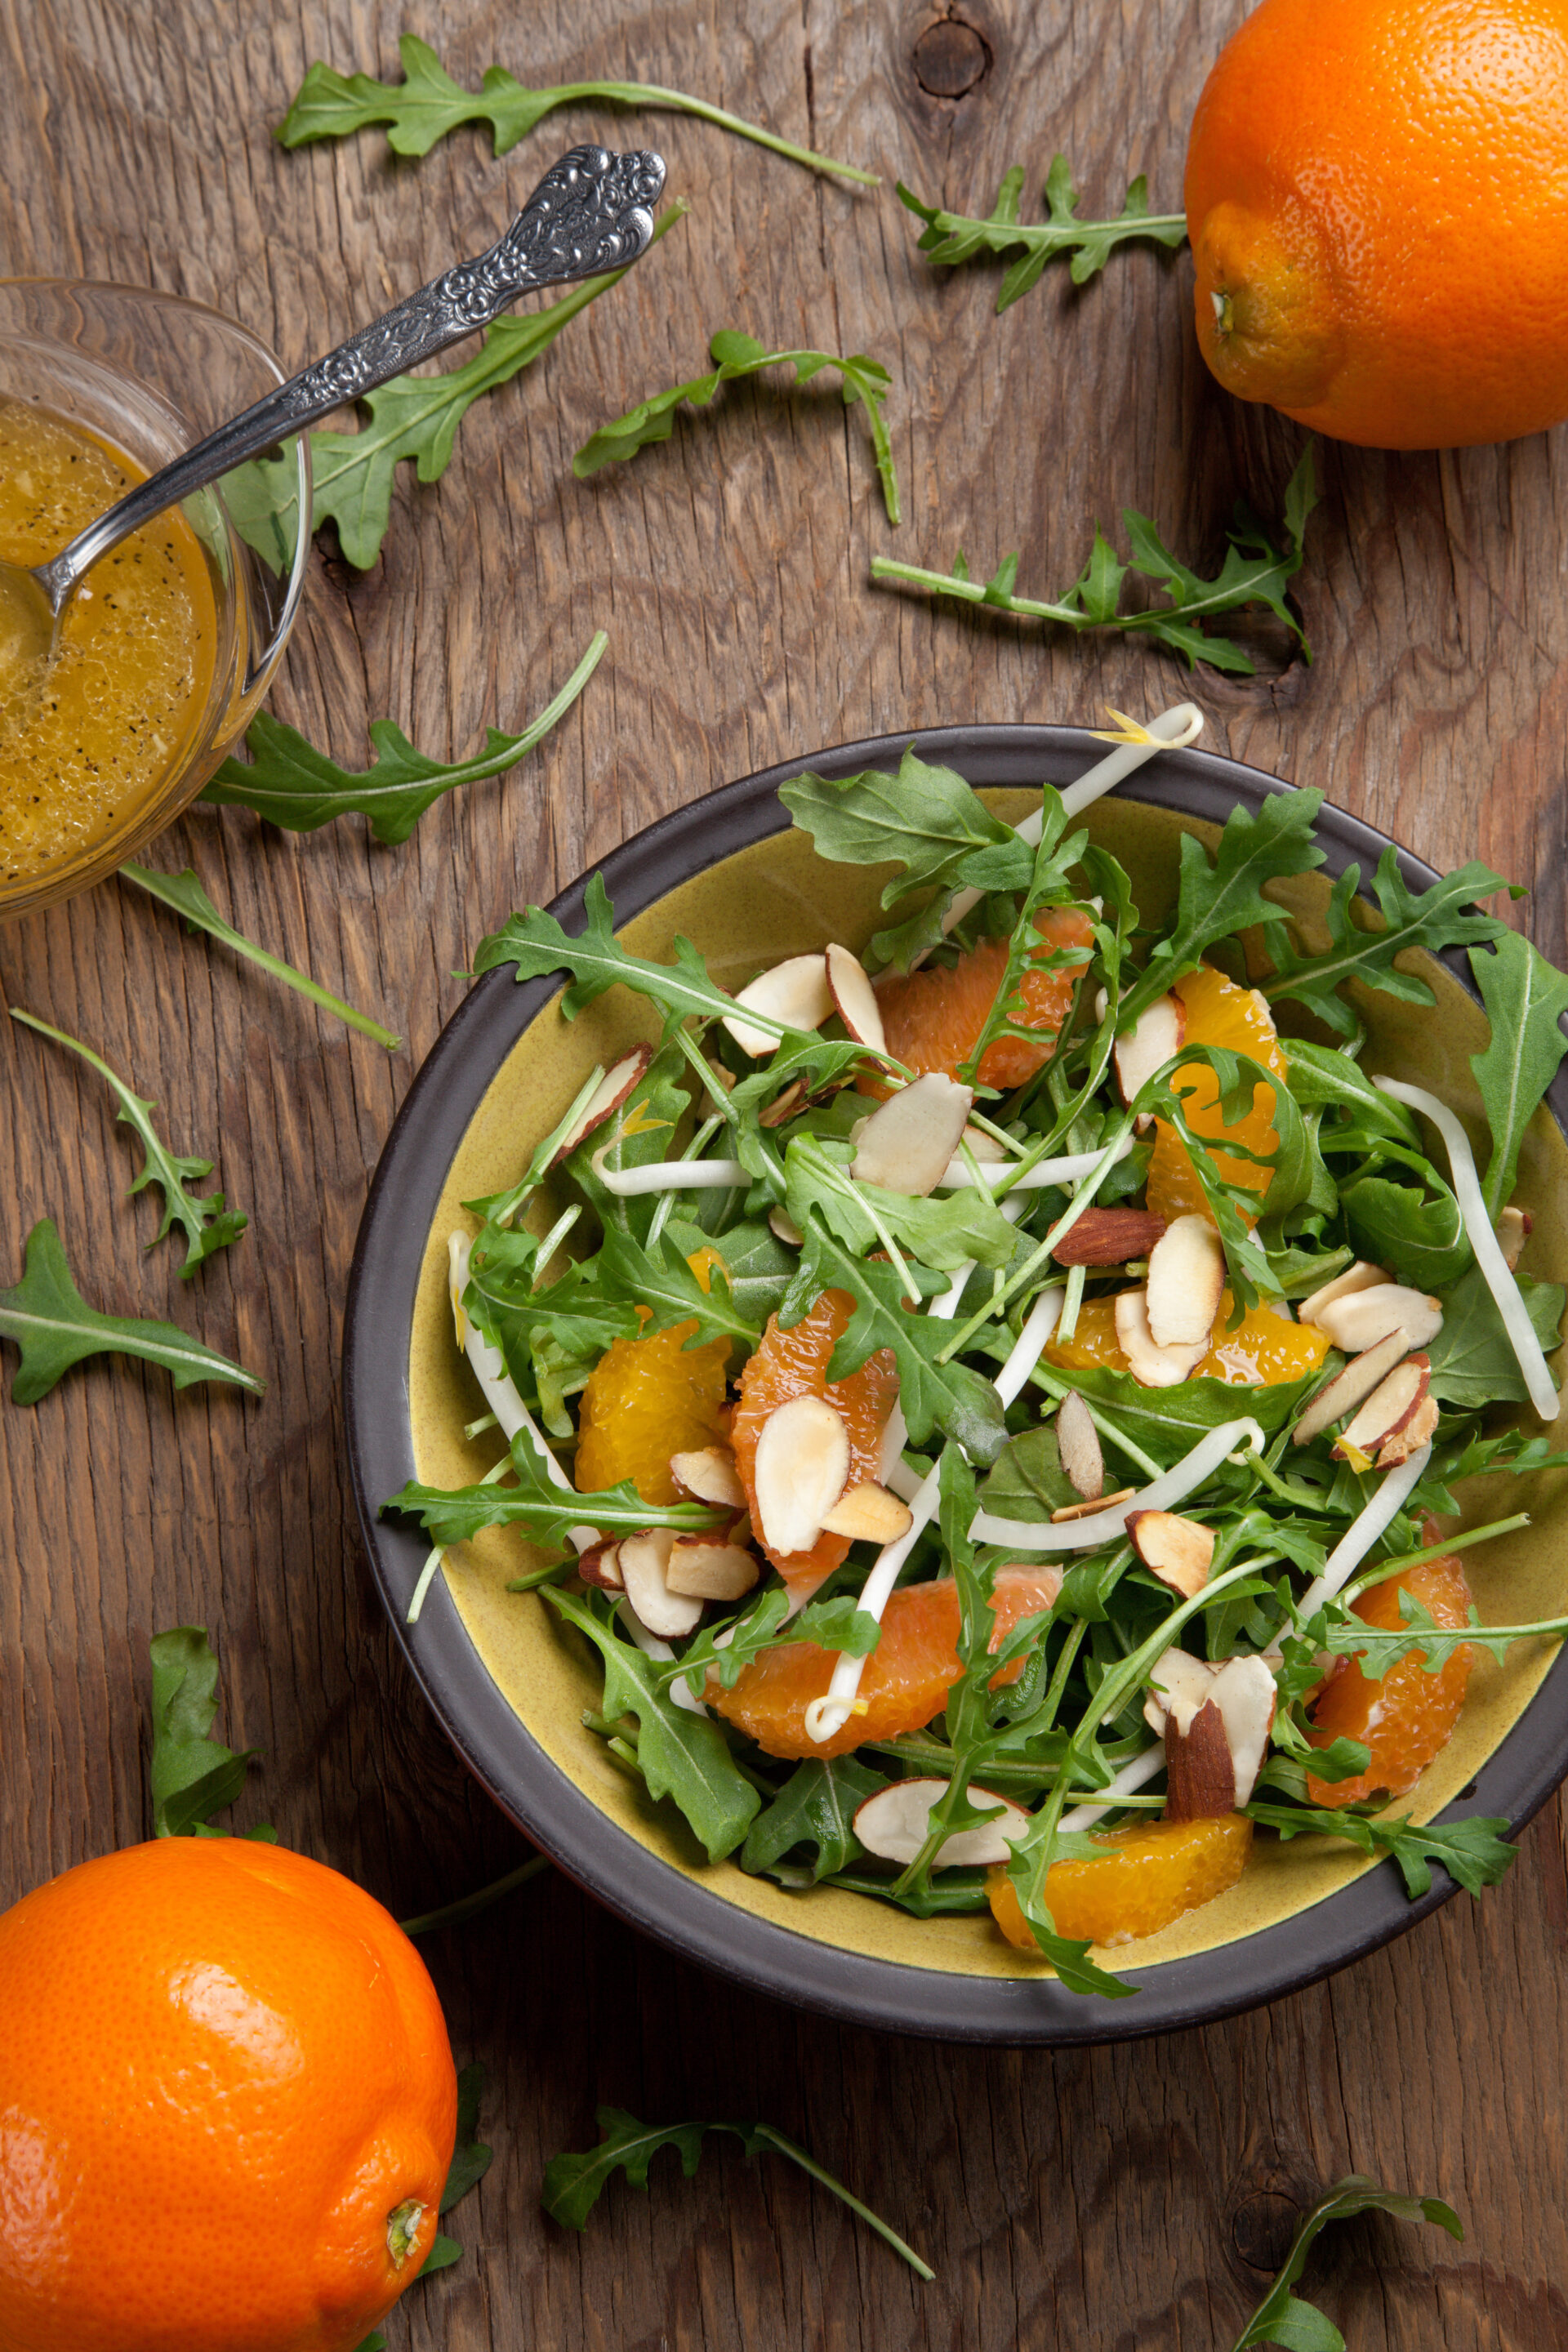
[1262,2227]
[950,58]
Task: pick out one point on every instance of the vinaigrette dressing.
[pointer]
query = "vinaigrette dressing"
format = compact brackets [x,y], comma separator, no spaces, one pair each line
[86,740]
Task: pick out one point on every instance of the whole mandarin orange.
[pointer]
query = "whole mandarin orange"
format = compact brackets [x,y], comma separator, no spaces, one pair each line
[228,2105]
[1377,198]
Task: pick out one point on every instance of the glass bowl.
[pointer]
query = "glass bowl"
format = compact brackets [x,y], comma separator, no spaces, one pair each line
[151,374]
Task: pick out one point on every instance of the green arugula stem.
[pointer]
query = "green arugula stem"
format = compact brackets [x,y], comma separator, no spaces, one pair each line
[797,2155]
[1387,1568]
[468,1907]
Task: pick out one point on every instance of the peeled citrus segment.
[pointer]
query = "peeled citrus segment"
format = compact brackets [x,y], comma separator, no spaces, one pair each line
[907,1676]
[1217,1013]
[794,1363]
[932,1018]
[649,1398]
[1146,1879]
[1406,1715]
[1263,1350]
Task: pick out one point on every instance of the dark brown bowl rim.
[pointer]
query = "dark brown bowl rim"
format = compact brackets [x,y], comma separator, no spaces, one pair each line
[525,1782]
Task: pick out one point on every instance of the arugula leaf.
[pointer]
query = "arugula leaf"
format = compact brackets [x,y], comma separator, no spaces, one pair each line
[945,1232]
[428,104]
[292,785]
[55,1328]
[952,237]
[1474,1853]
[573,2184]
[185,895]
[1416,1229]
[1028,1481]
[1525,999]
[207,1225]
[1220,896]
[535,942]
[735,354]
[1254,572]
[470,2157]
[1324,1080]
[1472,1358]
[1281,2317]
[544,1510]
[1443,917]
[816,1807]
[681,1754]
[660,1280]
[759,1268]
[191,1776]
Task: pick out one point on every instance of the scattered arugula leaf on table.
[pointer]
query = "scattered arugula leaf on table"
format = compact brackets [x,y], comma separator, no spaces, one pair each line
[428,104]
[191,1776]
[1282,2318]
[1443,917]
[185,894]
[735,354]
[573,2184]
[208,1227]
[1254,572]
[949,238]
[1525,1000]
[292,785]
[55,1328]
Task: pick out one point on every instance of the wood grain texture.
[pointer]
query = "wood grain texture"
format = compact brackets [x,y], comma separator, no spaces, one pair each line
[1109,2198]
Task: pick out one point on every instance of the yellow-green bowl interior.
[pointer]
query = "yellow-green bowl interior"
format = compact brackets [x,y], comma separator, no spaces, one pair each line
[778,899]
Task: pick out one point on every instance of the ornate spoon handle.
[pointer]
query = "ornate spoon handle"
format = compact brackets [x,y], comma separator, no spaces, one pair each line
[591,211]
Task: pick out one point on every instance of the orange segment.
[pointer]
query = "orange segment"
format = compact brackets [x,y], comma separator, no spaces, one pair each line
[907,1676]
[1217,1013]
[647,1399]
[1263,1350]
[1406,1715]
[1147,1878]
[933,1016]
[795,1363]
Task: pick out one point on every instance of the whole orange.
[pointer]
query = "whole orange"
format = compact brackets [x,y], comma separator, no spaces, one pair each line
[226,2106]
[1377,198]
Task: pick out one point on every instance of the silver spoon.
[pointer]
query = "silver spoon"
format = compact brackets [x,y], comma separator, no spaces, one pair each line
[591,211]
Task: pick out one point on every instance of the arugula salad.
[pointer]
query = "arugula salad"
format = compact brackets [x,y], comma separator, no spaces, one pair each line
[990,1399]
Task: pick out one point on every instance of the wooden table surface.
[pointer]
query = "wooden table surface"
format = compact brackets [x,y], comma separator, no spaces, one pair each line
[1133,2197]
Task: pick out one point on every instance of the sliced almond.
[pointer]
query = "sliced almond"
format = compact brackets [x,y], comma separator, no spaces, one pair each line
[710,1571]
[605,1100]
[1108,1237]
[1358,1379]
[1089,1509]
[1179,1684]
[1359,1320]
[896,1821]
[1159,1032]
[711,1475]
[1200,1771]
[869,1514]
[895,1437]
[1078,1444]
[1241,1693]
[1419,1430]
[1387,1409]
[795,992]
[906,1144]
[855,999]
[1179,1551]
[644,1563]
[1186,1275]
[1358,1276]
[1245,1694]
[1513,1230]
[1152,1366]
[784,1105]
[600,1565]
[802,1466]
[785,1228]
[985,1148]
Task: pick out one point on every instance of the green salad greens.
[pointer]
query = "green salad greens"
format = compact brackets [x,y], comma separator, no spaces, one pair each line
[987,1399]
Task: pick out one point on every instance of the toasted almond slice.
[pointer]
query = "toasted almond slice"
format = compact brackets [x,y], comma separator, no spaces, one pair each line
[1387,1409]
[1108,1237]
[709,1473]
[1157,1034]
[869,1514]
[1179,1684]
[1186,1275]
[907,1142]
[795,992]
[784,1105]
[855,999]
[600,1565]
[1200,1771]
[1241,1694]
[710,1571]
[895,1822]
[1091,1505]
[1152,1366]
[644,1563]
[1513,1230]
[1363,1317]
[1179,1551]
[1078,1444]
[1419,1430]
[802,1465]
[985,1148]
[785,1228]
[1344,1392]
[1358,1276]
[1245,1694]
[605,1100]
